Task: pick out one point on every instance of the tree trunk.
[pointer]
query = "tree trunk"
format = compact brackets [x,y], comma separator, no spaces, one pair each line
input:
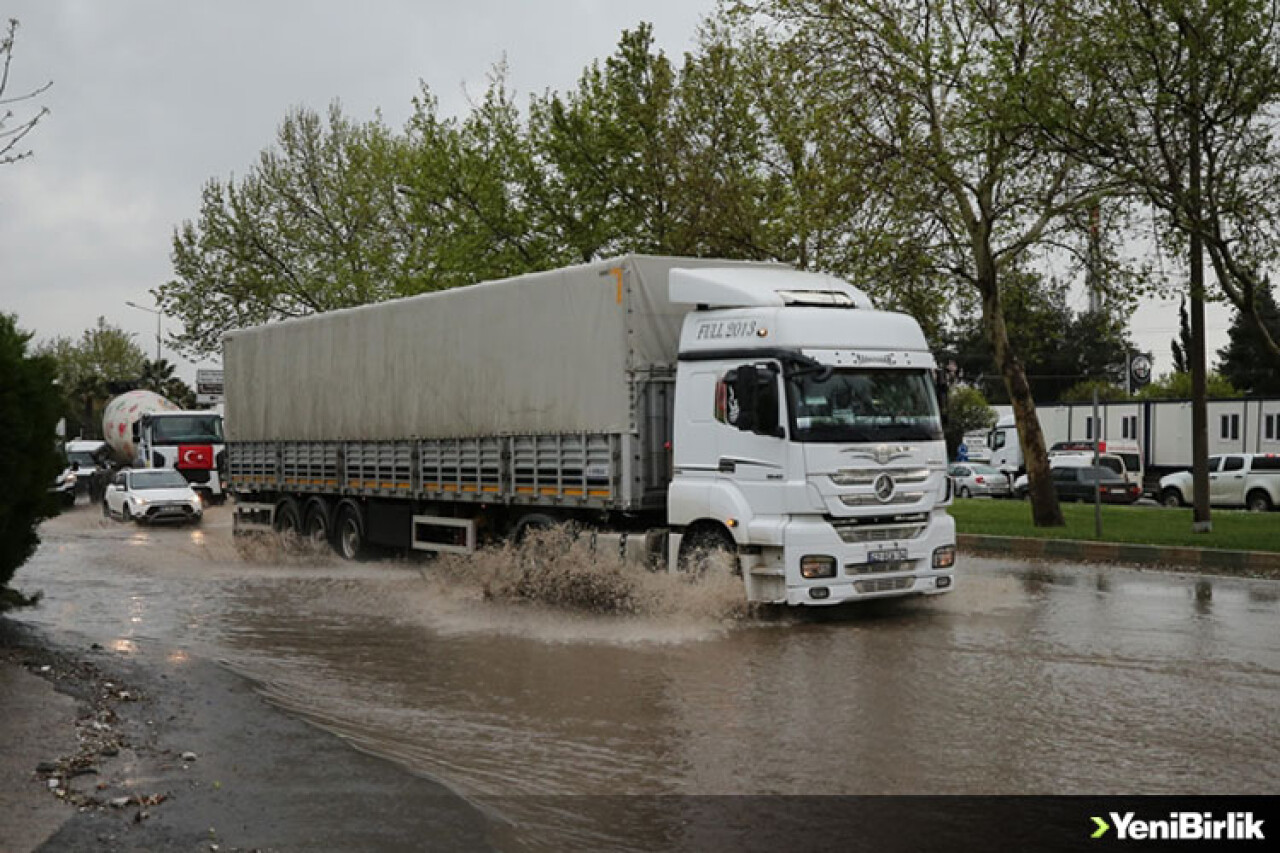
[1045,511]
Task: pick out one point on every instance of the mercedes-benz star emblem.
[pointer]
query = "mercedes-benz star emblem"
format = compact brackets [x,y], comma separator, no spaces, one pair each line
[884,488]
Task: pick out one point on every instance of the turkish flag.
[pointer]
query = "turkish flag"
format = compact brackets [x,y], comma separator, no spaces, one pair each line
[195,456]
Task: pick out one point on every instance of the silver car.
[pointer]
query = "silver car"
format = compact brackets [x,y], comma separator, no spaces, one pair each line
[974,479]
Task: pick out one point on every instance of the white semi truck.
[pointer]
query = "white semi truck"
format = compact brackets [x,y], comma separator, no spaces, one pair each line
[670,405]
[146,430]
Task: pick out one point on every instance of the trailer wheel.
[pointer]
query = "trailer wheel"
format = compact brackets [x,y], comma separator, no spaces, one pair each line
[315,525]
[706,547]
[349,532]
[1258,501]
[531,523]
[1172,497]
[289,526]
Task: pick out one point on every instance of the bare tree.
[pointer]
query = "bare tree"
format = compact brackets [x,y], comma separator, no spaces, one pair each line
[11,136]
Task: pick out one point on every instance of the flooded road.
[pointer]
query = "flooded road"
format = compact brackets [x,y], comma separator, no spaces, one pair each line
[1040,679]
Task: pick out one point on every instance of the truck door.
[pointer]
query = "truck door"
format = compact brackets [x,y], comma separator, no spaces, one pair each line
[1226,485]
[752,449]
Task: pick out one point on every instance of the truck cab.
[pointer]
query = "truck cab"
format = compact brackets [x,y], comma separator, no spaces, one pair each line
[807,432]
[190,442]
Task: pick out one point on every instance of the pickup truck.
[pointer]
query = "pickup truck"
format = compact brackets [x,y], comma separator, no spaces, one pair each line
[1250,480]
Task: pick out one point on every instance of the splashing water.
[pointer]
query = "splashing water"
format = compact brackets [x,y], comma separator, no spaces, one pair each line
[558,568]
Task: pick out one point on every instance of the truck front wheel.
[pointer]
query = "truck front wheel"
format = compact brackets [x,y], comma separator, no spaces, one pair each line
[706,547]
[1172,497]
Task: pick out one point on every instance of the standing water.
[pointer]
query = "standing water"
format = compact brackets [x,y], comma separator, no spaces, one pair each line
[541,682]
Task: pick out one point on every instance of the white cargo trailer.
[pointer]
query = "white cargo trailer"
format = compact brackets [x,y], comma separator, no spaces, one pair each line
[671,404]
[1160,428]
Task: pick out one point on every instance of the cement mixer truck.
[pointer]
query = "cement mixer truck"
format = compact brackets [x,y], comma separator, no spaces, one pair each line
[145,430]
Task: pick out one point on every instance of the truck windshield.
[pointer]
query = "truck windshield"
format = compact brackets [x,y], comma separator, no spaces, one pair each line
[82,458]
[856,405]
[180,429]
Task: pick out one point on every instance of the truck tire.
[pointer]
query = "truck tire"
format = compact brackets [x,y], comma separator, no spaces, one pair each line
[348,533]
[1172,497]
[288,524]
[703,547]
[1258,501]
[315,525]
[531,522]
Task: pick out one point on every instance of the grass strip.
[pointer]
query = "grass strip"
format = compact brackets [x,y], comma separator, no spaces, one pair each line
[1233,530]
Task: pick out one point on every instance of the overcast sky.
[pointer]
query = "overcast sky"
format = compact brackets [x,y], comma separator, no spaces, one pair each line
[152,98]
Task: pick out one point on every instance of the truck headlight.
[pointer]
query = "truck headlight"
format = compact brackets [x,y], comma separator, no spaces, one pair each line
[816,566]
[944,557]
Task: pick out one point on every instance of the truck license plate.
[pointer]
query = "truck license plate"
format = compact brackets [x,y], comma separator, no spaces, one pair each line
[888,555]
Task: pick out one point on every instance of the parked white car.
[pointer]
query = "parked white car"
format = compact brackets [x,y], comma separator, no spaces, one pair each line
[972,479]
[1235,479]
[151,495]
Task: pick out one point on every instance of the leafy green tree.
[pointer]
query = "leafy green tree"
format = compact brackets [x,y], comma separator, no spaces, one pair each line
[933,92]
[473,190]
[1060,349]
[966,410]
[1192,88]
[1241,361]
[1185,77]
[1082,392]
[611,149]
[12,136]
[1177,386]
[311,227]
[158,376]
[28,456]
[103,362]
[766,175]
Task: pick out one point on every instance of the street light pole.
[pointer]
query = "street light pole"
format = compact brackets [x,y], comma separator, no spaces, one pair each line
[159,315]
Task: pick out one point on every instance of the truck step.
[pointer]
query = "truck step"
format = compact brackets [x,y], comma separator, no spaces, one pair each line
[767,572]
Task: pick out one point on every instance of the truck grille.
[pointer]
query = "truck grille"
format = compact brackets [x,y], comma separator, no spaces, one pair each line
[880,528]
[872,500]
[878,568]
[884,584]
[867,476]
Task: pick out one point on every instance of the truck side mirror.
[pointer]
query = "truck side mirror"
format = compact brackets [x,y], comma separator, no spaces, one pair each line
[755,391]
[767,403]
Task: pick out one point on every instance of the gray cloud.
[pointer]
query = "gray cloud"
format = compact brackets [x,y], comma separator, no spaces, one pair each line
[152,98]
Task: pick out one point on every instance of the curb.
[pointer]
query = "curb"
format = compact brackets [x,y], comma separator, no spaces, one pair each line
[1254,564]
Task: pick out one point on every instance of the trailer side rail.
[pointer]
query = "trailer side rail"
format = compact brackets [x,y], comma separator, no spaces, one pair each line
[575,470]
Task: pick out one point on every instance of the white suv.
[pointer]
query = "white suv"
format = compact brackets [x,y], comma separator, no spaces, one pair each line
[1236,479]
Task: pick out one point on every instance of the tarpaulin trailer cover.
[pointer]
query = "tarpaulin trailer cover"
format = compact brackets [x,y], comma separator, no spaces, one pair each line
[544,353]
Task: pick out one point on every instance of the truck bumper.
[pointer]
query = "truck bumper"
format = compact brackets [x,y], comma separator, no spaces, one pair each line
[881,568]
